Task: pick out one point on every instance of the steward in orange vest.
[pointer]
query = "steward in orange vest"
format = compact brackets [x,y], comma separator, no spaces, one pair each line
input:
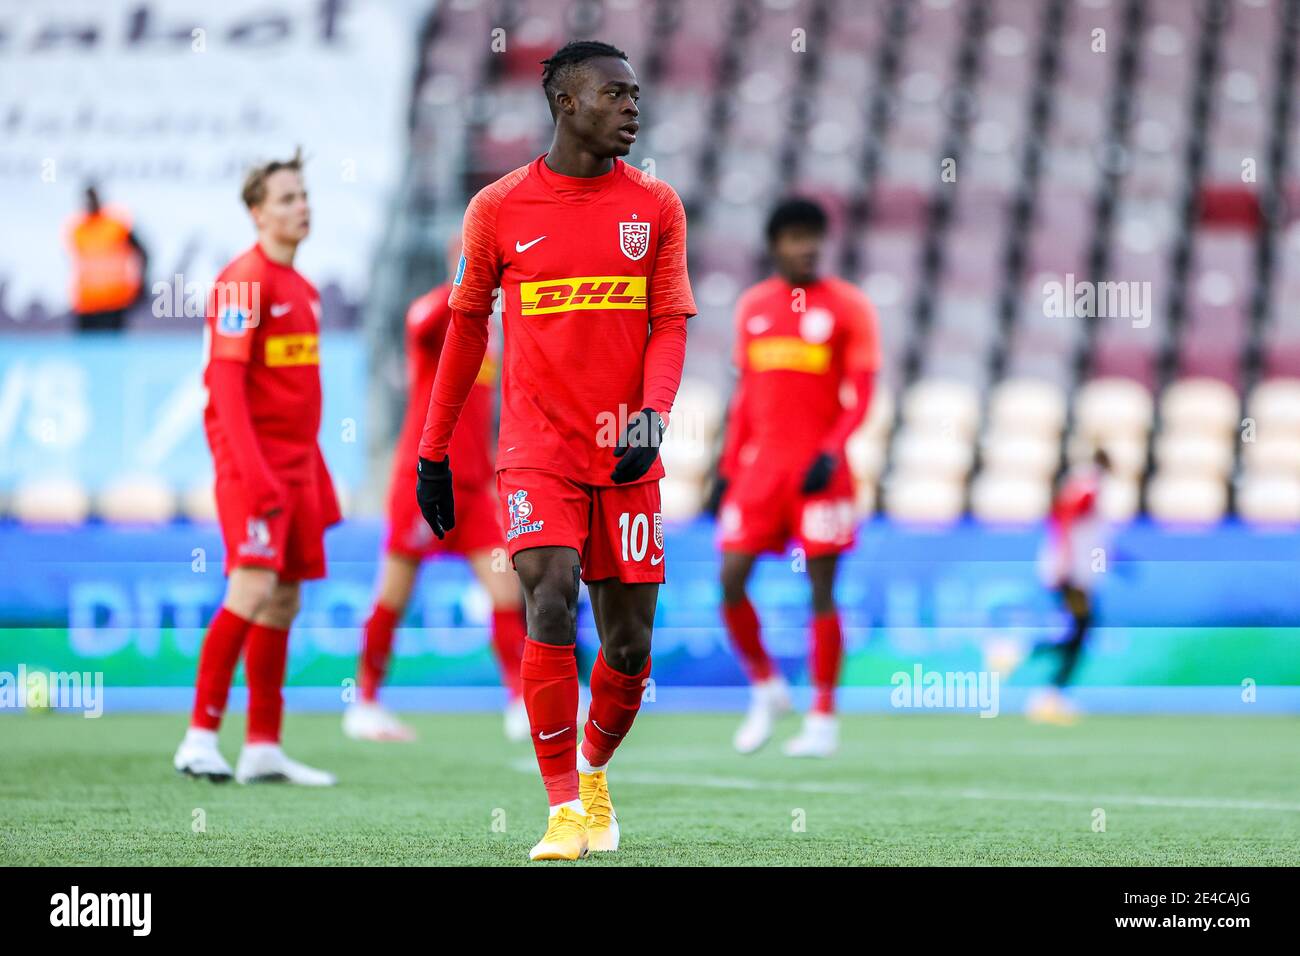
[108,265]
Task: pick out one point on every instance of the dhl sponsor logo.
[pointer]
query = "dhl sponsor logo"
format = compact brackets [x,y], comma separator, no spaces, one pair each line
[788,353]
[298,349]
[582,292]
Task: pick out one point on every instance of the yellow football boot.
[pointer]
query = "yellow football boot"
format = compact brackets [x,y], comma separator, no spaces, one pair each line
[602,824]
[565,839]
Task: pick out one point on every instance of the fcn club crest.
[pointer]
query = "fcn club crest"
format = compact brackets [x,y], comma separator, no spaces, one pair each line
[634,239]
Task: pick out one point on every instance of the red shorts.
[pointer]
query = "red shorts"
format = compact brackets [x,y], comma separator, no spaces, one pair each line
[763,510]
[617,530]
[291,542]
[478,527]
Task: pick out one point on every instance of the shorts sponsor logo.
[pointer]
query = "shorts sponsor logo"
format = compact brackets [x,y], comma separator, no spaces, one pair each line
[634,239]
[582,292]
[258,543]
[520,509]
[283,351]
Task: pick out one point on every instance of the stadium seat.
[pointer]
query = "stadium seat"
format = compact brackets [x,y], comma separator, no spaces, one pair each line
[866,455]
[920,498]
[1027,405]
[1127,453]
[1200,405]
[1275,406]
[1193,453]
[52,501]
[1273,452]
[1186,499]
[137,499]
[1269,498]
[1119,499]
[1029,455]
[1108,407]
[932,452]
[1009,497]
[942,407]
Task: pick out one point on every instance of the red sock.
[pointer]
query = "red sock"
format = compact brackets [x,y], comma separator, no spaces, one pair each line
[508,641]
[615,700]
[376,649]
[549,677]
[217,659]
[742,625]
[268,649]
[827,650]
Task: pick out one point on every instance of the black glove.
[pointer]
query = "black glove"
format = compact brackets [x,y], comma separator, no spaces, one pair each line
[638,447]
[819,474]
[713,503]
[433,492]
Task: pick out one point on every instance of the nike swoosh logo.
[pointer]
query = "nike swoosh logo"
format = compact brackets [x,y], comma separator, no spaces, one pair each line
[603,730]
[657,559]
[542,736]
[522,246]
[279,310]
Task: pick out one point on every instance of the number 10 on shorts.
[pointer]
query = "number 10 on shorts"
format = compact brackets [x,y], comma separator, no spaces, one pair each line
[634,532]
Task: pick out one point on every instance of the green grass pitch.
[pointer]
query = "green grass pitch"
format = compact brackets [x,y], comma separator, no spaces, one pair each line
[905,789]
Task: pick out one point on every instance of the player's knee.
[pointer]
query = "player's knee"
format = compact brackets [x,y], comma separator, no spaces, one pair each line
[823,598]
[626,649]
[553,608]
[733,587]
[249,592]
[281,607]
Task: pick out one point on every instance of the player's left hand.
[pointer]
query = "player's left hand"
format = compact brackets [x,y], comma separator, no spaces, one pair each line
[638,447]
[818,476]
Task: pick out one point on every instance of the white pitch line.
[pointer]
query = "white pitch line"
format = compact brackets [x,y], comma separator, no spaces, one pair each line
[743,783]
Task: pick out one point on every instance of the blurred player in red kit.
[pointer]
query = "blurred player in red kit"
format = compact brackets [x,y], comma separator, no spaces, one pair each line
[477,537]
[590,256]
[274,494]
[1078,535]
[801,338]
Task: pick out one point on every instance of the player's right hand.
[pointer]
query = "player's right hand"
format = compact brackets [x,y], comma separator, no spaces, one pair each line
[433,492]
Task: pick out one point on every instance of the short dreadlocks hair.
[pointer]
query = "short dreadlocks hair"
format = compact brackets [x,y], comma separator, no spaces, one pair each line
[563,62]
[254,191]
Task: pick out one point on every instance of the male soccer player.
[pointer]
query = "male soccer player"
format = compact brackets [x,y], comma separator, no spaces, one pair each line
[801,337]
[274,494]
[477,536]
[1077,532]
[590,256]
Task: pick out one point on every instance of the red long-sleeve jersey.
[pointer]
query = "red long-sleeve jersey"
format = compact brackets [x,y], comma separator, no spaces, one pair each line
[796,348]
[595,298]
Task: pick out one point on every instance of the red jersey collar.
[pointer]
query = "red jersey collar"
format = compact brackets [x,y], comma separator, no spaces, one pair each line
[261,254]
[576,189]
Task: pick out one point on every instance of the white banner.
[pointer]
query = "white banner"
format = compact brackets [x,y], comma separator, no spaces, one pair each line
[164,103]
